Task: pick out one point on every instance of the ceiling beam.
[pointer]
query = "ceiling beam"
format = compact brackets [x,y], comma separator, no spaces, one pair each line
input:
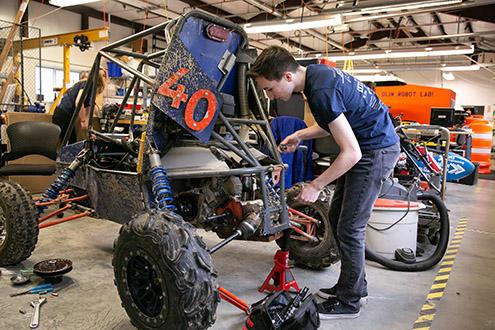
[212,10]
[481,13]
[220,12]
[420,32]
[374,35]
[141,6]
[275,13]
[438,21]
[368,5]
[280,8]
[438,37]
[90,12]
[264,7]
[400,30]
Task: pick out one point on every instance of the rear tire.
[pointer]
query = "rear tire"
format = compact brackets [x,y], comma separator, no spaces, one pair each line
[313,255]
[18,224]
[164,274]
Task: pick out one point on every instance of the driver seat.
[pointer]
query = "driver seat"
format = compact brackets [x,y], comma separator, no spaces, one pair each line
[30,138]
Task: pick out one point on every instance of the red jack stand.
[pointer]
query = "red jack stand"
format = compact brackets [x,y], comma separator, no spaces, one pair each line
[281,275]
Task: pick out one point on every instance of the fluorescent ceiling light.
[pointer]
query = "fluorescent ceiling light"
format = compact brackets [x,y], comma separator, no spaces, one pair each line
[448,76]
[461,68]
[293,24]
[399,7]
[340,28]
[67,3]
[376,77]
[438,51]
[365,71]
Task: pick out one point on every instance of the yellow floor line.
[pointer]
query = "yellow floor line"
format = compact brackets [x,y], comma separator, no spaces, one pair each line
[444,270]
[439,286]
[443,277]
[428,310]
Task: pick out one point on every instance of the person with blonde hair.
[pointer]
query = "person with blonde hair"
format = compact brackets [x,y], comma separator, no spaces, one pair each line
[64,111]
[83,75]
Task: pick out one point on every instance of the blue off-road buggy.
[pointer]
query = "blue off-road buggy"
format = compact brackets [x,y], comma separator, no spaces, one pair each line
[197,163]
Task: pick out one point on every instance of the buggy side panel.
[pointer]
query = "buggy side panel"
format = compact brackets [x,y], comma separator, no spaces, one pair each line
[115,195]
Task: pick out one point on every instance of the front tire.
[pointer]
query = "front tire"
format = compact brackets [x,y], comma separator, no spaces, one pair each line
[164,274]
[18,224]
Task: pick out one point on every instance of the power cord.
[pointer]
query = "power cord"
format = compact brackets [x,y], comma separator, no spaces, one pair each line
[402,218]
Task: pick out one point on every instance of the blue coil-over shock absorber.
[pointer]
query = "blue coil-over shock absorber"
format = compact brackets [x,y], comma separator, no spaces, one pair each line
[62,181]
[160,185]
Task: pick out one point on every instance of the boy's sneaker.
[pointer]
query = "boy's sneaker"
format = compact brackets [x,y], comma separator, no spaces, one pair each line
[333,309]
[327,293]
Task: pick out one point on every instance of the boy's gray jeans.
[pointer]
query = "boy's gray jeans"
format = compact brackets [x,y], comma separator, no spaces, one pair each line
[352,203]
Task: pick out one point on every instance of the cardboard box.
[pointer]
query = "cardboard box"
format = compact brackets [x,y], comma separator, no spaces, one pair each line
[14,117]
[35,184]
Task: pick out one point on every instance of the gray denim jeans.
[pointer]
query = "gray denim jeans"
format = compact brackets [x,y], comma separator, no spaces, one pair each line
[352,203]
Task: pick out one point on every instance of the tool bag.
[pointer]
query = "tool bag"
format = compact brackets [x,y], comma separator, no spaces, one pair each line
[279,311]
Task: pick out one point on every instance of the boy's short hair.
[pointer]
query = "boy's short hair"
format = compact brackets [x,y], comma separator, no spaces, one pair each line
[272,63]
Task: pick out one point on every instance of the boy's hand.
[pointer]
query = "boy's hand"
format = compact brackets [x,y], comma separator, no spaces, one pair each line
[289,144]
[309,193]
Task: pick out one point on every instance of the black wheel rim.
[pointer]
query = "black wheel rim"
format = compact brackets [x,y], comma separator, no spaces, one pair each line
[145,286]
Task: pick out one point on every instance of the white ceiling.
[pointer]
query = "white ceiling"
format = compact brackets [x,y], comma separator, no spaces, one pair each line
[152,12]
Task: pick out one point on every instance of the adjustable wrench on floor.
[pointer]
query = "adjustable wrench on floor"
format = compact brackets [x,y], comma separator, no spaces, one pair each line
[35,321]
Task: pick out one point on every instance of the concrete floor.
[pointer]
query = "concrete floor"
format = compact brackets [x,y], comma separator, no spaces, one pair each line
[92,301]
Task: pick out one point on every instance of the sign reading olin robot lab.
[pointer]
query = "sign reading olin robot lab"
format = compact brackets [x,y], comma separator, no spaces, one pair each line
[186,94]
[414,102]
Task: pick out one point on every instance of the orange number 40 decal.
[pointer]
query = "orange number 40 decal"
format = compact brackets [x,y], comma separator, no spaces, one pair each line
[178,96]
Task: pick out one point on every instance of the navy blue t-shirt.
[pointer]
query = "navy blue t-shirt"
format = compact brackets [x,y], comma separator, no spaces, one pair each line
[68,102]
[331,92]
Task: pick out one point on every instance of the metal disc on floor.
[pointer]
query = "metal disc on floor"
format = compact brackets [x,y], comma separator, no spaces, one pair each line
[51,270]
[19,279]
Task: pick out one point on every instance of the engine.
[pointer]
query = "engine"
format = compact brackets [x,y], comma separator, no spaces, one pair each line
[215,202]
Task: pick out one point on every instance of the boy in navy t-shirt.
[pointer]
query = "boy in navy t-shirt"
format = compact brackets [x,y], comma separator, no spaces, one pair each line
[369,148]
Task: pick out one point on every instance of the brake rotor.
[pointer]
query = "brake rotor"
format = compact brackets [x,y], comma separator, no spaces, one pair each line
[51,270]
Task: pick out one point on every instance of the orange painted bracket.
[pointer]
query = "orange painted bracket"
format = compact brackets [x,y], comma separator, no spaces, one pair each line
[233,299]
[305,216]
[60,210]
[69,218]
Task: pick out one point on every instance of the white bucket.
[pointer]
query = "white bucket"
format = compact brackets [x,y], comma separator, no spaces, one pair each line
[401,235]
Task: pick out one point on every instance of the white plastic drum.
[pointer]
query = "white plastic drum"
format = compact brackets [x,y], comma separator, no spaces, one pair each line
[386,212]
